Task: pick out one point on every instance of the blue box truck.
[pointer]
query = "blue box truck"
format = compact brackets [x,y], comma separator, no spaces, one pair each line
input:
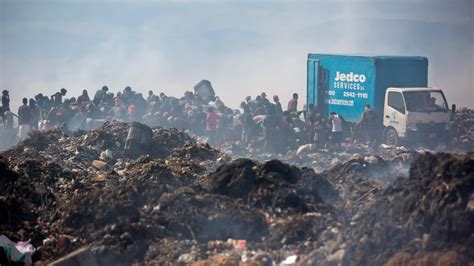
[394,86]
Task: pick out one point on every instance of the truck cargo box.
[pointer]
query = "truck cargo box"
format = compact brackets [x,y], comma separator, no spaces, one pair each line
[345,83]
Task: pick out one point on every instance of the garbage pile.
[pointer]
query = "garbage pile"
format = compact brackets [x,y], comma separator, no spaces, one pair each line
[63,192]
[464,133]
[425,218]
[54,185]
[126,193]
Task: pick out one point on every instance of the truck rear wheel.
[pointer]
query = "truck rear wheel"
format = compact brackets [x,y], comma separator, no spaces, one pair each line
[391,137]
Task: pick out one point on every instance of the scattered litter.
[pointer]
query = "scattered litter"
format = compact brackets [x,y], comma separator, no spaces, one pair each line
[290,260]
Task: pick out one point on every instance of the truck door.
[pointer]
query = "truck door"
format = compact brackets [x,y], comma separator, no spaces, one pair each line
[317,85]
[312,86]
[395,113]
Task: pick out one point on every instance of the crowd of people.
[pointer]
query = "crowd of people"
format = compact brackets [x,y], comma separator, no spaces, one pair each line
[260,123]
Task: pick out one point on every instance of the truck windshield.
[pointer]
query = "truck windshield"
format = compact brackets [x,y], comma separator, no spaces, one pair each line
[425,101]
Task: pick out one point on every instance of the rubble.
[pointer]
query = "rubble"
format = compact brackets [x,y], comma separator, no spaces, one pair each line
[180,202]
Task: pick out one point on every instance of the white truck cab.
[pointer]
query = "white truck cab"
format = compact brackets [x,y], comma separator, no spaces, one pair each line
[415,115]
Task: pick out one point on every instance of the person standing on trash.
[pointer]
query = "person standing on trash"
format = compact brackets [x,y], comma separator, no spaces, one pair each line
[278,108]
[5,100]
[226,121]
[270,131]
[312,111]
[336,131]
[65,113]
[100,95]
[57,98]
[212,123]
[5,103]
[109,101]
[127,96]
[9,119]
[259,109]
[265,102]
[24,120]
[84,98]
[150,98]
[320,131]
[370,123]
[248,99]
[293,103]
[118,112]
[44,105]
[35,114]
[247,123]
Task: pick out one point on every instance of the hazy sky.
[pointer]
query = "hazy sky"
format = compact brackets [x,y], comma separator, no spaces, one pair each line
[242,47]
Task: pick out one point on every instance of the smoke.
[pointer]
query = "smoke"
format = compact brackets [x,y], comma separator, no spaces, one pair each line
[242,48]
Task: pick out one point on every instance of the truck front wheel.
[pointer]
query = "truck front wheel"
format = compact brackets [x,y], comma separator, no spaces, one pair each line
[391,137]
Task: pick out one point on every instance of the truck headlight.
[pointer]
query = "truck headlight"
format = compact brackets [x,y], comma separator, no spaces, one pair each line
[411,126]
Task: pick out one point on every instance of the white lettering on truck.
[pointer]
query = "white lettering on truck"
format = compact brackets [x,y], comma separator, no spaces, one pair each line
[349,81]
[351,86]
[350,77]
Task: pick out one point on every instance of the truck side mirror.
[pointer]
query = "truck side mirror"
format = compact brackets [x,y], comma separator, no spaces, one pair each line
[453,108]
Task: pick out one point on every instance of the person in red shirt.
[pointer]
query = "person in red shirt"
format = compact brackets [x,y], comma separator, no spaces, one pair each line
[293,103]
[212,123]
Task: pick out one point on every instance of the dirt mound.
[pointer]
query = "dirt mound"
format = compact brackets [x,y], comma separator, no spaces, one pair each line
[430,210]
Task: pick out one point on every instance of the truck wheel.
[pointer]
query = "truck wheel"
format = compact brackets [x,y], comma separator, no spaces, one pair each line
[391,137]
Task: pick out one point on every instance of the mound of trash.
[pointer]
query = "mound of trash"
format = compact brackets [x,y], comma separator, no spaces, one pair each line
[464,129]
[429,212]
[67,192]
[127,194]
[272,184]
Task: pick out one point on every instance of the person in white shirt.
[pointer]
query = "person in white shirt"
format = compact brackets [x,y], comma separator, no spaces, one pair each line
[336,131]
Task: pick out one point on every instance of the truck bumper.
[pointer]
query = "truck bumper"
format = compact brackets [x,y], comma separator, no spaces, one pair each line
[428,134]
